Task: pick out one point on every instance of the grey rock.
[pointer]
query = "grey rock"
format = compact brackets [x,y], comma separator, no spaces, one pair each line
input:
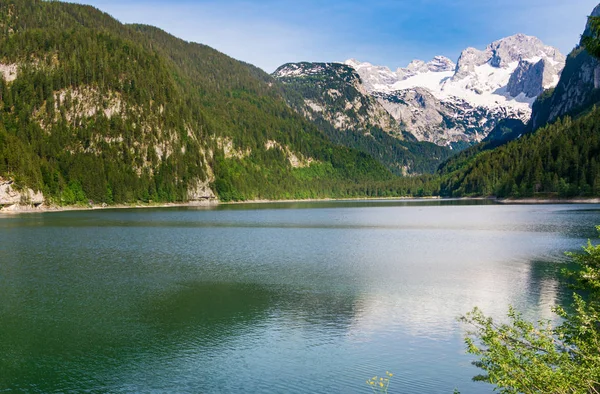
[503,52]
[200,191]
[442,122]
[468,60]
[577,88]
[437,64]
[528,78]
[515,48]
[373,75]
[441,64]
[10,195]
[339,96]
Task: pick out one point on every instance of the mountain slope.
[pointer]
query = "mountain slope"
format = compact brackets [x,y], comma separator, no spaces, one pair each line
[562,159]
[460,104]
[558,159]
[93,109]
[333,96]
[576,91]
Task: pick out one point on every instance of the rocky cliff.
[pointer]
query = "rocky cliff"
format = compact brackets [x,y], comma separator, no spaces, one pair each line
[577,89]
[13,197]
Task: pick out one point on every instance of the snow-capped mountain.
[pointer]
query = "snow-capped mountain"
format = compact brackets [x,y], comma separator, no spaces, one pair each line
[446,103]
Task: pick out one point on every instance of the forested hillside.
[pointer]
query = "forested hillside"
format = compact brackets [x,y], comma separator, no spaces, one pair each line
[94,109]
[562,159]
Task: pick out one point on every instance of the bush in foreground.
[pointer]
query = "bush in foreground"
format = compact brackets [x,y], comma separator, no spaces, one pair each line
[540,357]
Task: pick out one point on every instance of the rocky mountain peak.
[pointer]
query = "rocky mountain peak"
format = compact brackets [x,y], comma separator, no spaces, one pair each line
[520,46]
[373,77]
[507,52]
[441,64]
[469,59]
[417,66]
[437,64]
[502,80]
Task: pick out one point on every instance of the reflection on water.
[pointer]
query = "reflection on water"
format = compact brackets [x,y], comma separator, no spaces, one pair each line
[298,297]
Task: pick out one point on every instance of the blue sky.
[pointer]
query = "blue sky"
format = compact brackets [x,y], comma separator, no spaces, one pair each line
[269,33]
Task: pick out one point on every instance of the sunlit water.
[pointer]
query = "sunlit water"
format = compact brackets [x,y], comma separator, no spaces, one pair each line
[273,298]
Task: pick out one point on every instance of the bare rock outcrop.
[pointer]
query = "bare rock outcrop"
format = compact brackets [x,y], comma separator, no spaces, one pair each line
[13,197]
[200,192]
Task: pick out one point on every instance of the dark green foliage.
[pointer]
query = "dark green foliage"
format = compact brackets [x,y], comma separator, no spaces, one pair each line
[114,113]
[561,160]
[506,131]
[590,41]
[528,357]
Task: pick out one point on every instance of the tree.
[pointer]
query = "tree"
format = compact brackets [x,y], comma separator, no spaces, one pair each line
[591,41]
[526,357]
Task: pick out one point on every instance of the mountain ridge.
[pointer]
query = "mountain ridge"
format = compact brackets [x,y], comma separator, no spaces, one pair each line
[503,80]
[333,96]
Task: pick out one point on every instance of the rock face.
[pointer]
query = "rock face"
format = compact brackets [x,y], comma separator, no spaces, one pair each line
[374,78]
[335,98]
[514,48]
[11,196]
[468,60]
[200,192]
[577,88]
[458,121]
[334,92]
[528,78]
[485,86]
[440,64]
[437,64]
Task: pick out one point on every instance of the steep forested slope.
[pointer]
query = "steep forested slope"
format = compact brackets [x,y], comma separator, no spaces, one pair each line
[562,159]
[94,109]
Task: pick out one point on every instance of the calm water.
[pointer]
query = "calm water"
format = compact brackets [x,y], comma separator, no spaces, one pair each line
[277,298]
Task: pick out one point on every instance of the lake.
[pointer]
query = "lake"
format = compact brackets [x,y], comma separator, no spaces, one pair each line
[271,298]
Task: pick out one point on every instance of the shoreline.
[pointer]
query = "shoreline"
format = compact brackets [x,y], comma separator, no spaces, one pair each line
[266,201]
[541,201]
[24,209]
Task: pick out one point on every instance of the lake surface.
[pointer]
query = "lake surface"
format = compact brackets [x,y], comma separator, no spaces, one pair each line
[270,298]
